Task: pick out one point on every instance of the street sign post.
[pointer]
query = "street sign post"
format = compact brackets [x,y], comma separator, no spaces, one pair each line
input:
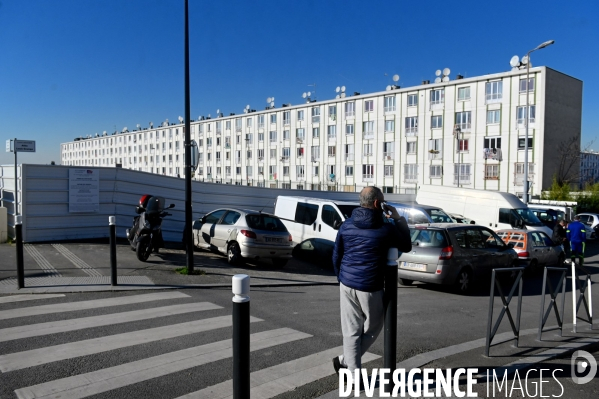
[19,146]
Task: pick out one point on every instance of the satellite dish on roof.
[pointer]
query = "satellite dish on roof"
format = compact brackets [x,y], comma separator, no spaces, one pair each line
[247,107]
[343,95]
[217,112]
[438,72]
[437,79]
[268,100]
[388,87]
[343,88]
[525,60]
[272,103]
[515,61]
[309,94]
[304,95]
[138,126]
[395,78]
[446,72]
[338,89]
[181,119]
[445,79]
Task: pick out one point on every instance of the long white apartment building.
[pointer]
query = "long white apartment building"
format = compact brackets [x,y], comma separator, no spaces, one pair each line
[465,131]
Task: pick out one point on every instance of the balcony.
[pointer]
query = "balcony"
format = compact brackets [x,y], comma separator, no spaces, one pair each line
[464,127]
[390,108]
[463,179]
[316,119]
[411,131]
[368,135]
[349,157]
[367,177]
[388,156]
[434,154]
[410,178]
[350,114]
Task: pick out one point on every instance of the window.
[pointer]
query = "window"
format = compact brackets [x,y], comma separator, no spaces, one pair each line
[368,172]
[331,132]
[219,128]
[227,125]
[330,216]
[248,122]
[315,132]
[388,171]
[286,117]
[349,171]
[463,120]
[300,152]
[411,147]
[368,149]
[249,137]
[273,118]
[531,85]
[315,170]
[300,115]
[299,134]
[461,173]
[368,106]
[248,171]
[389,103]
[412,100]
[300,172]
[214,217]
[521,115]
[349,152]
[286,134]
[286,153]
[238,170]
[436,171]
[272,136]
[248,154]
[492,142]
[410,173]
[435,148]
[388,150]
[519,172]
[494,91]
[286,171]
[238,124]
[349,129]
[522,142]
[463,145]
[492,172]
[333,112]
[436,121]
[306,213]
[350,109]
[390,125]
[315,114]
[260,121]
[368,129]
[315,152]
[411,126]
[463,93]
[493,117]
[260,154]
[332,150]
[437,96]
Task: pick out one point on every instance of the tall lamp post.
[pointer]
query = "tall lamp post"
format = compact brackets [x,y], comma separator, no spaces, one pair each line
[525,197]
[458,131]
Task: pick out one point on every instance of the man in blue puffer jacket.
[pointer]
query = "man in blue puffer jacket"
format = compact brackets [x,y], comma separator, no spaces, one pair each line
[359,259]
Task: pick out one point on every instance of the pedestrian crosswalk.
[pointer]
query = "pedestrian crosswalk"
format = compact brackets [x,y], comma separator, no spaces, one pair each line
[31,345]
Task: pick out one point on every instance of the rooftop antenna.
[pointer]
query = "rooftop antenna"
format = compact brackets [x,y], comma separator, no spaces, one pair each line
[442,76]
[340,92]
[307,95]
[246,109]
[271,102]
[180,119]
[314,85]
[517,64]
[394,85]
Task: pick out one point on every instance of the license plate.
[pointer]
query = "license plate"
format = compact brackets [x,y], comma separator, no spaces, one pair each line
[413,266]
[273,239]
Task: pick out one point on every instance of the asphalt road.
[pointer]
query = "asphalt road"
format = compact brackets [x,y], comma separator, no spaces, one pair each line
[429,318]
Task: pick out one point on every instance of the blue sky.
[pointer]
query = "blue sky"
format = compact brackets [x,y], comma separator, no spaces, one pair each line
[69,68]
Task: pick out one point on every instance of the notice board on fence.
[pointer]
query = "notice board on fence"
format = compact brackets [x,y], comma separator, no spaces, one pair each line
[84,190]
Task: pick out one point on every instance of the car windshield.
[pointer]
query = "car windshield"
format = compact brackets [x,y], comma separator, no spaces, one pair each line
[265,222]
[346,210]
[529,217]
[439,216]
[428,238]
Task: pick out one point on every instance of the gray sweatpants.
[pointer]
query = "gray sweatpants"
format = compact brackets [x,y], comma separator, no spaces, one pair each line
[361,322]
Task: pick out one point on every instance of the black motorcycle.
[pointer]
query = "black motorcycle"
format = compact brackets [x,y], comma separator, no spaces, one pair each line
[145,235]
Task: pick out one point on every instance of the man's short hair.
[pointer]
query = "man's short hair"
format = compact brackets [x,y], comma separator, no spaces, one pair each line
[577,217]
[368,195]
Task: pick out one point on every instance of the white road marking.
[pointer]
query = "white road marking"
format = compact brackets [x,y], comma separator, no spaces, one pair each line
[42,262]
[93,304]
[53,327]
[29,297]
[74,259]
[88,384]
[50,354]
[275,380]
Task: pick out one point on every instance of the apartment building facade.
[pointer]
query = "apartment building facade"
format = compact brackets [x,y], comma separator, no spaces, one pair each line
[467,132]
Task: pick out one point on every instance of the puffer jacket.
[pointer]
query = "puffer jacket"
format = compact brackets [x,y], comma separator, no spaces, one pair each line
[361,247]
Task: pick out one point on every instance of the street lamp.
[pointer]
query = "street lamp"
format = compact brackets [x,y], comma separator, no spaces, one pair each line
[525,197]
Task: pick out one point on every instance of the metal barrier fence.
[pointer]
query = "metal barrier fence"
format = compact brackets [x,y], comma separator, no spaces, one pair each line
[491,331]
[583,298]
[545,312]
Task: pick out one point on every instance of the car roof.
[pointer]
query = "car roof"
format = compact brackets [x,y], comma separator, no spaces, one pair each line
[246,211]
[415,206]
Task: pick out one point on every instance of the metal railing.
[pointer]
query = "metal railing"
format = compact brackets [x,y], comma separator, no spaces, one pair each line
[583,298]
[545,312]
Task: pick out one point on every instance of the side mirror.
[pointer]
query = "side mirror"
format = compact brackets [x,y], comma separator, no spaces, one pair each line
[203,219]
[171,206]
[337,224]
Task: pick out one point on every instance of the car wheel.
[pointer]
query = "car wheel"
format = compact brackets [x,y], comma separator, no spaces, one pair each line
[233,254]
[464,282]
[404,281]
[279,262]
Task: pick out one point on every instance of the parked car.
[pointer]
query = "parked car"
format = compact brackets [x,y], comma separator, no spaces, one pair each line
[535,249]
[591,220]
[457,254]
[460,218]
[419,213]
[244,234]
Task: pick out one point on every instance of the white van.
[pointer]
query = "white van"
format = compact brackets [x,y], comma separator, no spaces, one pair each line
[564,207]
[307,217]
[493,209]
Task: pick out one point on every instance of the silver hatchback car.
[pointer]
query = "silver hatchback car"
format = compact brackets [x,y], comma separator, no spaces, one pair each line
[244,234]
[456,254]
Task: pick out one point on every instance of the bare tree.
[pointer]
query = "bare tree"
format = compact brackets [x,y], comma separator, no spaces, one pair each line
[568,151]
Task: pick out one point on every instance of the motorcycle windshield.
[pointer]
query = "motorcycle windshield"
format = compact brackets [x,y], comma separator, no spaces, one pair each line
[155,205]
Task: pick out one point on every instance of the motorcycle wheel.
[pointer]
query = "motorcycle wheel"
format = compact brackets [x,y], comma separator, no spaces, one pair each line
[143,250]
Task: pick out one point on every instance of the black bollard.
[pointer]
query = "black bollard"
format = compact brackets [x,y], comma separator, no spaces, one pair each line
[390,302]
[112,227]
[19,238]
[241,336]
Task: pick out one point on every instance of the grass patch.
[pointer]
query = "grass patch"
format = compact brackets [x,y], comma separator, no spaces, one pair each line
[196,272]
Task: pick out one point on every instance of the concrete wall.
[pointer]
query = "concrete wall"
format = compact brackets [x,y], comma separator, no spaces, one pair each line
[44,200]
